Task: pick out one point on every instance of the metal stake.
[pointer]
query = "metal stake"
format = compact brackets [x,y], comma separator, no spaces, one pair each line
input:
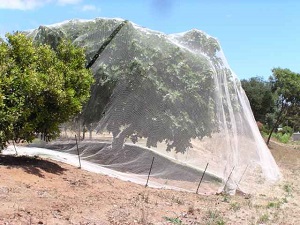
[243,175]
[201,178]
[228,178]
[149,171]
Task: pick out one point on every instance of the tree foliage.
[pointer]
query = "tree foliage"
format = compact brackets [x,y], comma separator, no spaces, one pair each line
[260,96]
[151,86]
[286,85]
[161,93]
[39,88]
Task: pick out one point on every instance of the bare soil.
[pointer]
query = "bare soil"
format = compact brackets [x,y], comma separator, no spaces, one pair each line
[38,191]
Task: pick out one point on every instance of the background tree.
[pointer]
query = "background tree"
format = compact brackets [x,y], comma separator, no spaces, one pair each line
[286,85]
[293,118]
[260,97]
[39,88]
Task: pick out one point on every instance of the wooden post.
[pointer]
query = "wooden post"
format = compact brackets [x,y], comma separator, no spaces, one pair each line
[78,152]
[201,178]
[149,171]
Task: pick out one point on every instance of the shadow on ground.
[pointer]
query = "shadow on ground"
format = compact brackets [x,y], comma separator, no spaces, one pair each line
[32,165]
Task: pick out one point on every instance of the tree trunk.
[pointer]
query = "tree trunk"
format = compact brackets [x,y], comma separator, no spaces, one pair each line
[90,132]
[66,134]
[79,131]
[279,118]
[83,132]
[89,128]
[118,140]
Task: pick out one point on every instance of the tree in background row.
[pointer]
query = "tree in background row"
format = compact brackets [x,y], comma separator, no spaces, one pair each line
[277,101]
[286,85]
[39,88]
[260,97]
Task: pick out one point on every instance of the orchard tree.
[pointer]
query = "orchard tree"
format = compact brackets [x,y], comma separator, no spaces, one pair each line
[286,85]
[260,96]
[39,88]
[146,87]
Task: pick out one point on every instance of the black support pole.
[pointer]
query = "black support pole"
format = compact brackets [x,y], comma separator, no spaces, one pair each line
[201,178]
[149,171]
[243,174]
[228,179]
[106,43]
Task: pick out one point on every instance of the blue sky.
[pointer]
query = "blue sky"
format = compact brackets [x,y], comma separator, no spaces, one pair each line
[256,35]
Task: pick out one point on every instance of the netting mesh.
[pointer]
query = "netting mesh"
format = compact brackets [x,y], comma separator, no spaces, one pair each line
[172,97]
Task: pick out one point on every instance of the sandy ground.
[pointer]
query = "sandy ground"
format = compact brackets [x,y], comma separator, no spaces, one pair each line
[38,191]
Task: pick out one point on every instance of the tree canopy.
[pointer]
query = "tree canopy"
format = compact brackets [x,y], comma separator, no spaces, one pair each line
[151,86]
[286,85]
[276,101]
[260,97]
[40,88]
[161,93]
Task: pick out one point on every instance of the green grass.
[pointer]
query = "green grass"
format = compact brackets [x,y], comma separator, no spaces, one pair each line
[173,220]
[264,218]
[288,189]
[275,204]
[283,138]
[214,217]
[235,206]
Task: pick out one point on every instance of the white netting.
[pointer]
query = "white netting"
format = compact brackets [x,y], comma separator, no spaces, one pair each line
[172,97]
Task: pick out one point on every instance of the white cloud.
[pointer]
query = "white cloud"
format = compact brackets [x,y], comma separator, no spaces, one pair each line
[32,4]
[21,4]
[89,8]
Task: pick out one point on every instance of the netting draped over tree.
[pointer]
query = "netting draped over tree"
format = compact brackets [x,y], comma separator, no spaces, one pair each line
[169,96]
